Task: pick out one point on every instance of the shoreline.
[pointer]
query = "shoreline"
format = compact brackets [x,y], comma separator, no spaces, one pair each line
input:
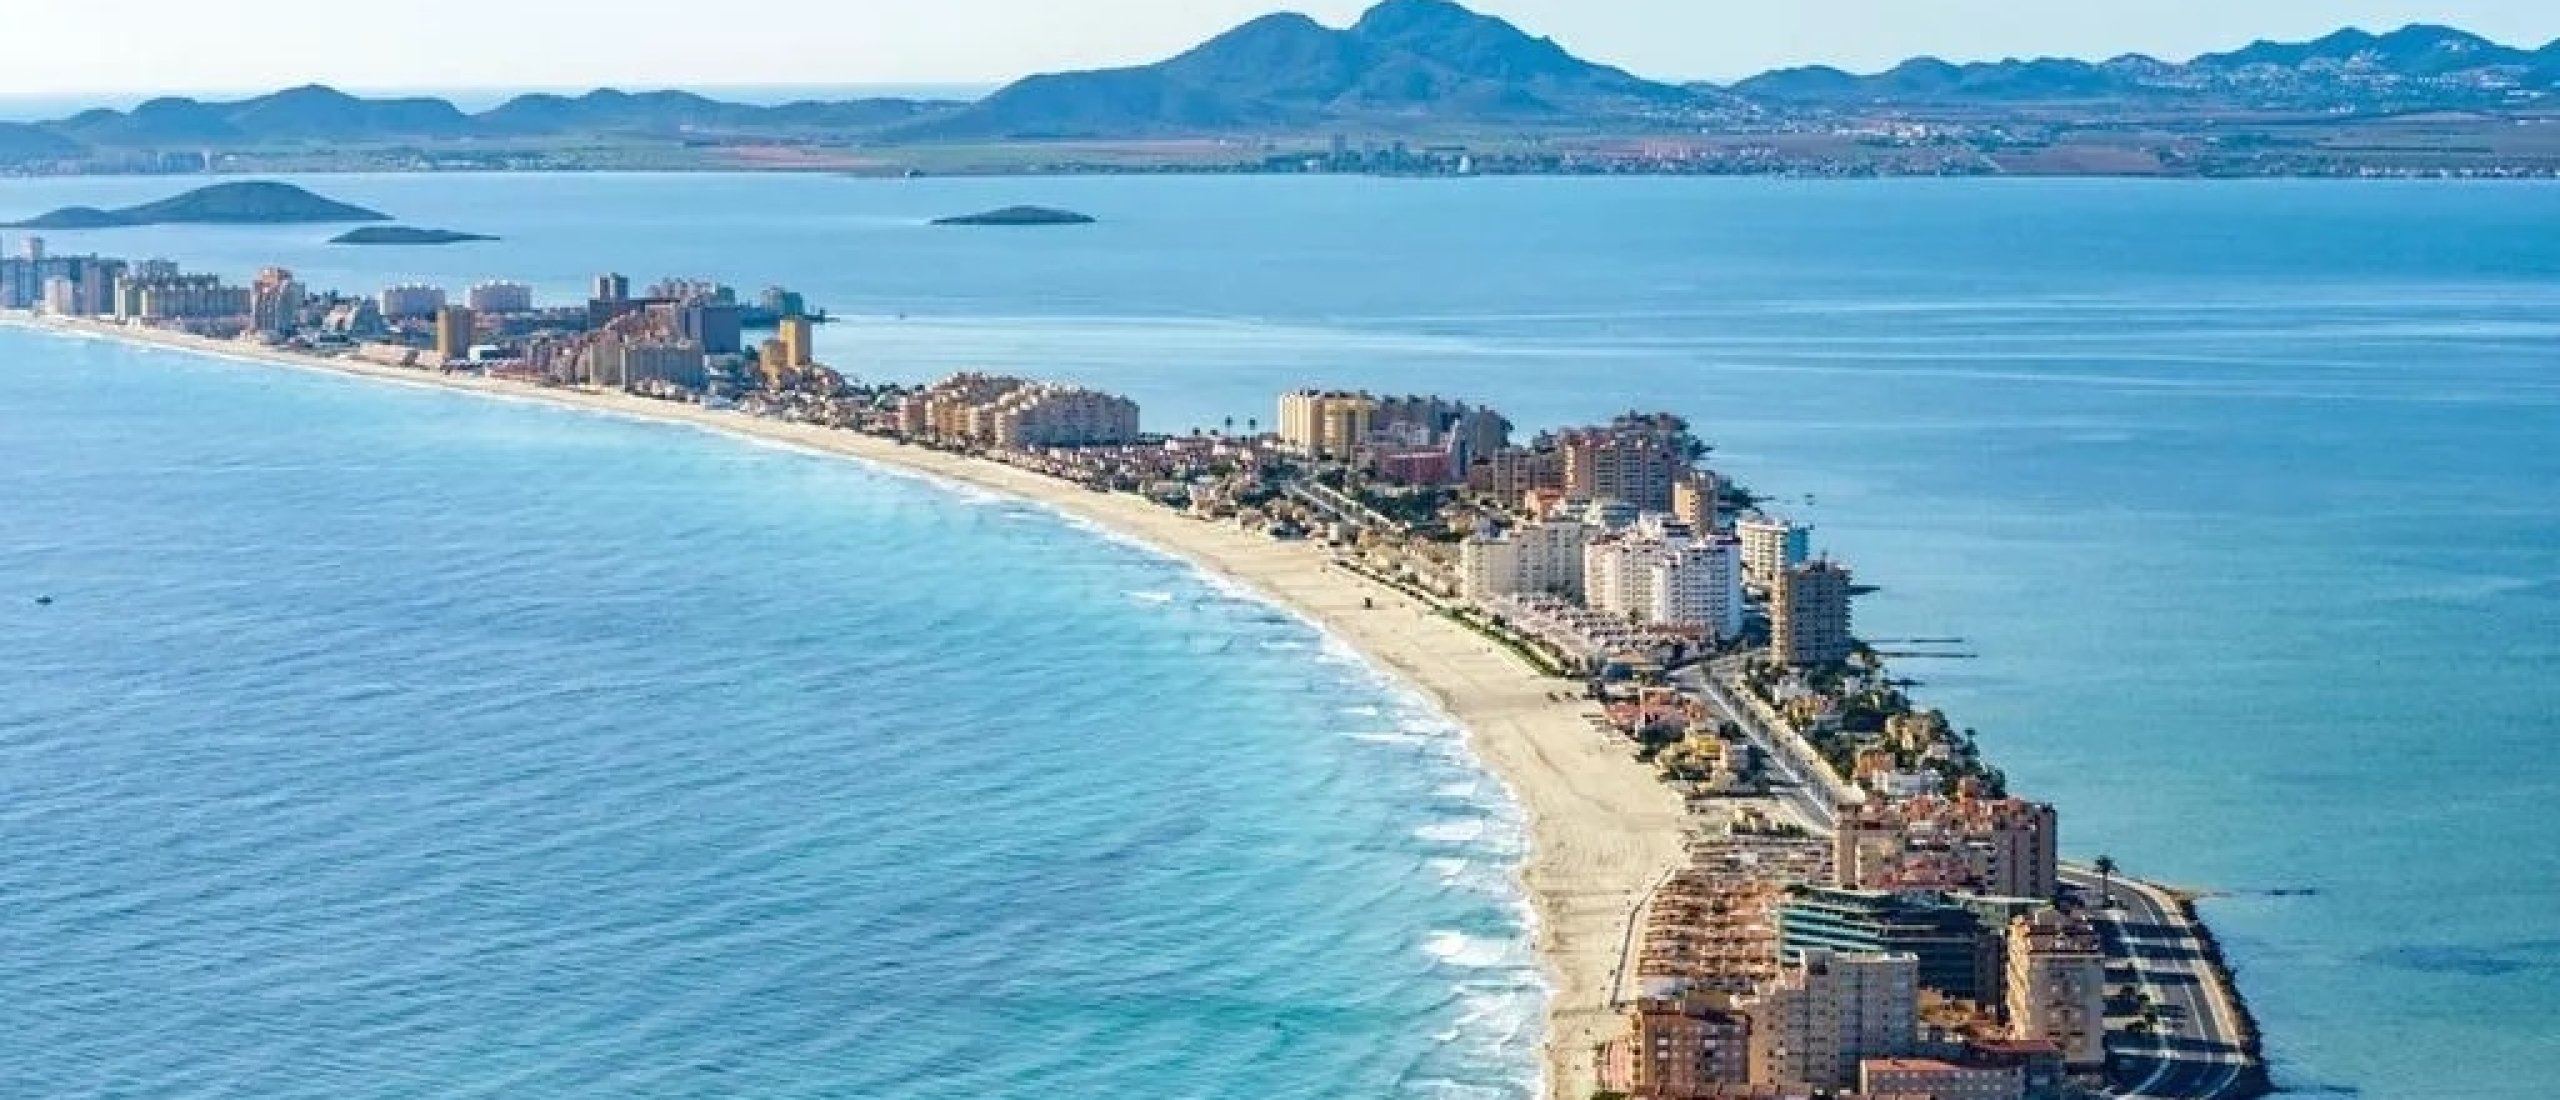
[1601,829]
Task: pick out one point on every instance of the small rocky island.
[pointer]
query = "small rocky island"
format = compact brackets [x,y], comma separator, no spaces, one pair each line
[246,203]
[1020,215]
[402,234]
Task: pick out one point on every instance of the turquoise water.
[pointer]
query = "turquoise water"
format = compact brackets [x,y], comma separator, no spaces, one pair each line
[485,743]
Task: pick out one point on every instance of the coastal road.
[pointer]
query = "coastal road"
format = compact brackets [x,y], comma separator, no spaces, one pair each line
[2197,1051]
[1800,791]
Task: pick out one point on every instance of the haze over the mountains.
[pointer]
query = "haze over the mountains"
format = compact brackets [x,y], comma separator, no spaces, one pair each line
[1419,67]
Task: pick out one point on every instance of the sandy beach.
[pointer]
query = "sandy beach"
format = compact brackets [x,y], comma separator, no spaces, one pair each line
[1602,829]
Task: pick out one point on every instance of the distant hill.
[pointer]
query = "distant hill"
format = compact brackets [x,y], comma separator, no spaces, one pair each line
[22,144]
[406,235]
[246,203]
[1411,61]
[1020,216]
[315,114]
[2414,67]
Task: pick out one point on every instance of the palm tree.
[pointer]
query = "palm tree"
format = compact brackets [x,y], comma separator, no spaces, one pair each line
[2106,867]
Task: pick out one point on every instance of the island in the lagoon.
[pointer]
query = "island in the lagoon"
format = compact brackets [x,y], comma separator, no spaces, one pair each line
[1020,215]
[254,202]
[402,234]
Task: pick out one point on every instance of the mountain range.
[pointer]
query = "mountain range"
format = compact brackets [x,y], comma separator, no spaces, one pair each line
[1404,61]
[1407,66]
[2416,66]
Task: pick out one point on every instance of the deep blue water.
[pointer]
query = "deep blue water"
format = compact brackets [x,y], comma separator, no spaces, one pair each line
[396,742]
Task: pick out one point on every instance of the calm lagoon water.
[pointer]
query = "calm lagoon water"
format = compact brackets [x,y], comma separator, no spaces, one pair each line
[390,743]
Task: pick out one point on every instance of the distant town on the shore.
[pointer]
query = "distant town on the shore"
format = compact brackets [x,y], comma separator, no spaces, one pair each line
[1427,87]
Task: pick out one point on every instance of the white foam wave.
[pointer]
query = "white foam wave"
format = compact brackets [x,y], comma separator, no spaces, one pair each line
[1466,952]
[1456,830]
[1151,597]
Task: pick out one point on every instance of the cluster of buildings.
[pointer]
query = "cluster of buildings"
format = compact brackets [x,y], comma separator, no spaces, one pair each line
[1620,519]
[1767,970]
[1409,440]
[681,338]
[1007,413]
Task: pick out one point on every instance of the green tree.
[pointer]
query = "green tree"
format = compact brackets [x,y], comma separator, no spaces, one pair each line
[2106,866]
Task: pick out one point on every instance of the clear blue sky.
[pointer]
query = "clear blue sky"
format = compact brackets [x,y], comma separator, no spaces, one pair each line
[56,48]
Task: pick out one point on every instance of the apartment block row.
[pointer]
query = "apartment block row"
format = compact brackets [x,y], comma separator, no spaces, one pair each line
[1017,414]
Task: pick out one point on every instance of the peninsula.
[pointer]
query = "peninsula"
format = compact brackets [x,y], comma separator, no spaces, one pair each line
[405,235]
[1020,215]
[1748,842]
[243,203]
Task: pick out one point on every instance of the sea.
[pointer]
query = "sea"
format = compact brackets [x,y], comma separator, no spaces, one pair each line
[385,742]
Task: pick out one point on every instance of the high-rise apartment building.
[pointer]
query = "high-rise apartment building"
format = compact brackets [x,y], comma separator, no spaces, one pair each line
[1770,547]
[1694,499]
[1825,1013]
[1681,1048]
[1662,578]
[456,326]
[799,340]
[275,302]
[1809,615]
[1637,466]
[1326,424]
[2058,985]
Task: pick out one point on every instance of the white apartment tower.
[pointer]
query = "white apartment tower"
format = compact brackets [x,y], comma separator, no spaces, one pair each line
[1673,580]
[1544,558]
